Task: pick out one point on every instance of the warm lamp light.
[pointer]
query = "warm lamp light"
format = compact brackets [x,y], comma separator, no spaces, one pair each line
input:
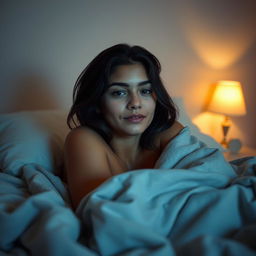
[228,100]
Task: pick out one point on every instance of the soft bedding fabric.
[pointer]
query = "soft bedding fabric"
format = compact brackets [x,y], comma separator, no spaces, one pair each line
[192,203]
[32,137]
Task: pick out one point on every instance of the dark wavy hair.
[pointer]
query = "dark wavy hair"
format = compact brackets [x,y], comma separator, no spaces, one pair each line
[93,82]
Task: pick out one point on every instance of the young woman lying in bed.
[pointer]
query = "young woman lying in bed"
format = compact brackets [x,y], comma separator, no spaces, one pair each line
[125,118]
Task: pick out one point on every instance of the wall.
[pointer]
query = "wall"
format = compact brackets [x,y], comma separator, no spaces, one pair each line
[45,45]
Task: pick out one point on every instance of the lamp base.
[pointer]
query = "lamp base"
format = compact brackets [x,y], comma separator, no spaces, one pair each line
[224,143]
[225,128]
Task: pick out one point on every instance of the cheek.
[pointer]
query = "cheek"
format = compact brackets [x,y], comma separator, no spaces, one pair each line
[112,108]
[151,106]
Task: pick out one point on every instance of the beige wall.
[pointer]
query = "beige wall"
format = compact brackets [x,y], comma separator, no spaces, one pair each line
[45,45]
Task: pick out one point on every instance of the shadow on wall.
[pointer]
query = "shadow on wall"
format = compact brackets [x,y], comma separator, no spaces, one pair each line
[33,93]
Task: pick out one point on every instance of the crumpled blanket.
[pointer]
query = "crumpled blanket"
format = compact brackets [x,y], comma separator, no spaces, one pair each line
[192,203]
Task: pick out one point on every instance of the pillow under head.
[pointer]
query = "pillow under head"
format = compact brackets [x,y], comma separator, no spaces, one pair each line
[32,137]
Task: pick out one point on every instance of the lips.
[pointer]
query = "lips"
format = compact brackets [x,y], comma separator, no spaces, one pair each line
[135,118]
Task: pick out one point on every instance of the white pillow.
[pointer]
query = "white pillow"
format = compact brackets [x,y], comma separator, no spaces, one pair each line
[32,137]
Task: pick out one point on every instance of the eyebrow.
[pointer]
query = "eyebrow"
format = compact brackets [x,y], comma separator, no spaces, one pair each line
[127,85]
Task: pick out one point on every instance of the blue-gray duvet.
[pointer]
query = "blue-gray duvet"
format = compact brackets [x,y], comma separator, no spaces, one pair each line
[192,203]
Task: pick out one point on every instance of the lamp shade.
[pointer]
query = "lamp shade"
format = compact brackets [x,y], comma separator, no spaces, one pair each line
[228,99]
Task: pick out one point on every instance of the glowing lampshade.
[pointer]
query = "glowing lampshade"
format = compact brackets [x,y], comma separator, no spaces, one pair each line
[228,99]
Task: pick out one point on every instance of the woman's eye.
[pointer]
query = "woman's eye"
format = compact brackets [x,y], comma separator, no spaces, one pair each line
[146,91]
[118,93]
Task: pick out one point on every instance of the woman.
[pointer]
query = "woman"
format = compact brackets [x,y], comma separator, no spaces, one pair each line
[125,118]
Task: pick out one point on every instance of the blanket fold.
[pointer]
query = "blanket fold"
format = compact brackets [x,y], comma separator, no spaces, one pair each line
[193,194]
[192,203]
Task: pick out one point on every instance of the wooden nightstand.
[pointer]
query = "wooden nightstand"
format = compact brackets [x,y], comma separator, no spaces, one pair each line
[244,151]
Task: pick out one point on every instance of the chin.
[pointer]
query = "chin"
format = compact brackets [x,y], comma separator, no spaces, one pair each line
[135,131]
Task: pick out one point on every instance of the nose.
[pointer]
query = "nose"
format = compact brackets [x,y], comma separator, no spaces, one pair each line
[134,102]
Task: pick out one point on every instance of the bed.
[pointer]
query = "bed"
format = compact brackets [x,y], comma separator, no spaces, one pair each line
[193,203]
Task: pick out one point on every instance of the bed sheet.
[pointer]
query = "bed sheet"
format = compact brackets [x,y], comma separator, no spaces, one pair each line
[192,203]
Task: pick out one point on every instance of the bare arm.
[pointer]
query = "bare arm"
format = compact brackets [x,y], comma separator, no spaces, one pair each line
[85,162]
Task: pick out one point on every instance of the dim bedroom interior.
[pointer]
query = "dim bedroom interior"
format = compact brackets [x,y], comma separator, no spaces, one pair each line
[192,202]
[200,198]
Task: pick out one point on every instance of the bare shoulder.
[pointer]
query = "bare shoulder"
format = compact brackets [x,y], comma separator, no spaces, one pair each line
[86,164]
[83,136]
[86,149]
[85,152]
[167,135]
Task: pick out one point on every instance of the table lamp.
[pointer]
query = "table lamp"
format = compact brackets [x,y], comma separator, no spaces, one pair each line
[227,99]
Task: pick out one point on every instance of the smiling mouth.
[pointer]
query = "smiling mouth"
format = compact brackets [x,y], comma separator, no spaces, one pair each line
[135,118]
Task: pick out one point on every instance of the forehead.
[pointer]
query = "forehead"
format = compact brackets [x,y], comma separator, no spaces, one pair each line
[128,72]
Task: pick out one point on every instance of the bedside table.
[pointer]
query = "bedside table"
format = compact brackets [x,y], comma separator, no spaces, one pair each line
[244,152]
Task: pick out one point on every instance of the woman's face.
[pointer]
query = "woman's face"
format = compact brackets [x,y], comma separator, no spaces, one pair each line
[129,103]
